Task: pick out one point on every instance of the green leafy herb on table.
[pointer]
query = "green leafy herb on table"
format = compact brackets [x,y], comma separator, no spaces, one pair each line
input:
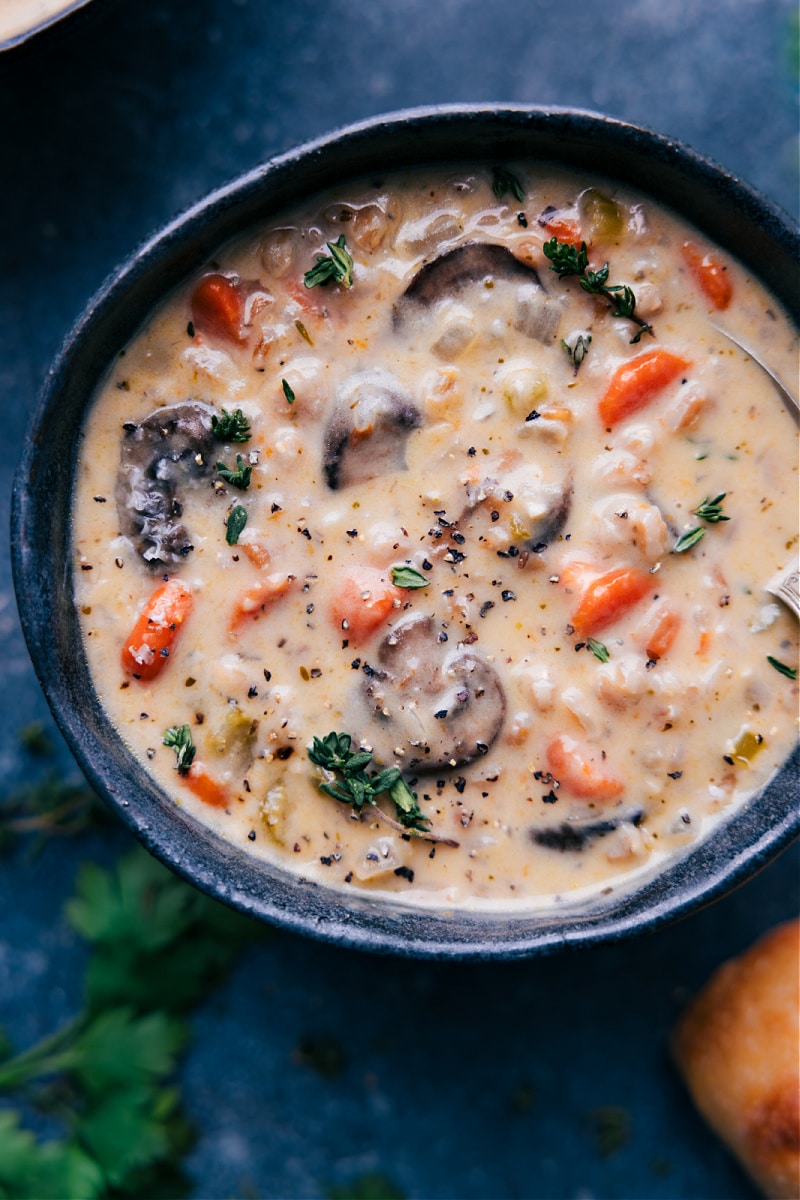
[567,260]
[231,427]
[336,267]
[610,1128]
[157,946]
[372,1186]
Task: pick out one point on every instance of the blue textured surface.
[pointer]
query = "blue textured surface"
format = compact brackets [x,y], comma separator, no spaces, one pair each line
[111,124]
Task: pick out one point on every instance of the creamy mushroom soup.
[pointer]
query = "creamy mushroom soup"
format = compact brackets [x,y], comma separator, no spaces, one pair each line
[422,538]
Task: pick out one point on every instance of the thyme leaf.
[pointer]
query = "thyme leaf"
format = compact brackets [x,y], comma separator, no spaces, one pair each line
[688,539]
[179,737]
[598,649]
[409,578]
[287,391]
[568,260]
[350,783]
[238,476]
[231,427]
[782,668]
[336,267]
[711,509]
[577,350]
[237,519]
[504,181]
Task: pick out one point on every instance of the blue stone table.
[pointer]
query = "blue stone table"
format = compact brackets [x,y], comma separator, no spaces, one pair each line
[110,124]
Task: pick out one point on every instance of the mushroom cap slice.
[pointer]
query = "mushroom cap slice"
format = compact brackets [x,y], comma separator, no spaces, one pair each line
[170,449]
[430,706]
[452,272]
[366,435]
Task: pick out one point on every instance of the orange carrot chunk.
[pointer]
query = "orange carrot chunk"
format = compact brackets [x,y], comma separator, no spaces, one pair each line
[255,600]
[363,602]
[217,308]
[658,632]
[581,770]
[710,275]
[147,650]
[609,597]
[635,383]
[208,789]
[566,229]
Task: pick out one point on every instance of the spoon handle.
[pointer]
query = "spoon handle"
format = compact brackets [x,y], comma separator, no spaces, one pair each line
[787,588]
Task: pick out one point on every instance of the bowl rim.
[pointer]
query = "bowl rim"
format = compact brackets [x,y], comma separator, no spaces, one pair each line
[184,242]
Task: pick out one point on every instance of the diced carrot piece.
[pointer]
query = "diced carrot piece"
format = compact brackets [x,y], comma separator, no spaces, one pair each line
[710,275]
[255,600]
[566,229]
[575,576]
[658,631]
[208,789]
[147,649]
[635,383]
[704,644]
[259,555]
[310,299]
[580,769]
[363,602]
[609,597]
[218,308]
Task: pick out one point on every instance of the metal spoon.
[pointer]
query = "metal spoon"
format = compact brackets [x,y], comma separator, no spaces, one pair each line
[786,586]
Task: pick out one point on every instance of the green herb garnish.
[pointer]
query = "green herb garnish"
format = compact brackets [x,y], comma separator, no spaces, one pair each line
[504,181]
[238,477]
[106,1079]
[711,509]
[179,737]
[408,577]
[566,260]
[231,427]
[237,519]
[336,267]
[578,350]
[352,785]
[688,539]
[782,668]
[598,649]
[287,391]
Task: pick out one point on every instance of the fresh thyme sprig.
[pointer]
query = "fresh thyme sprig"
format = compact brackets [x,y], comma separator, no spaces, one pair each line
[231,427]
[567,260]
[351,784]
[709,510]
[238,476]
[338,266]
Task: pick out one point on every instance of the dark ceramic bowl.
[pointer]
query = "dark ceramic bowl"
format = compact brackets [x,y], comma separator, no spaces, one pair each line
[722,206]
[38,22]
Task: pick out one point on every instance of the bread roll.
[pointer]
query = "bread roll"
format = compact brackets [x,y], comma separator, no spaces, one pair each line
[738,1048]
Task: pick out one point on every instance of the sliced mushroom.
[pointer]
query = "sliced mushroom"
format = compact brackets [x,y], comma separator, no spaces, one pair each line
[169,450]
[366,435]
[519,514]
[431,706]
[575,836]
[483,264]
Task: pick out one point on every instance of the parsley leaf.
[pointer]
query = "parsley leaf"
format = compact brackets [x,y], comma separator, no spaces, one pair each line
[231,427]
[336,267]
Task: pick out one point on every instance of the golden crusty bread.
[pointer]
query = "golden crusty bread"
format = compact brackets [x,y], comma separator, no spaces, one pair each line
[738,1048]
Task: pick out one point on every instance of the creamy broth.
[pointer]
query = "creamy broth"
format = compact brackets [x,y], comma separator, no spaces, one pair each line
[462,528]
